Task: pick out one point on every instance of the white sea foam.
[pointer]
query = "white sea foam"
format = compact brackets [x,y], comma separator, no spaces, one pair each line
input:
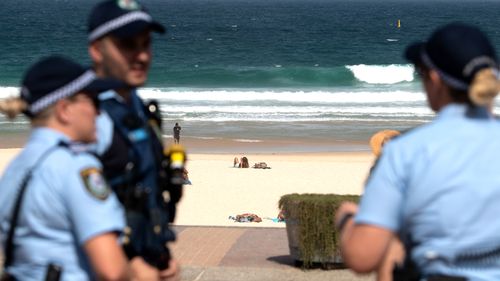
[6,92]
[284,120]
[382,74]
[223,95]
[282,105]
[304,110]
[247,140]
[280,96]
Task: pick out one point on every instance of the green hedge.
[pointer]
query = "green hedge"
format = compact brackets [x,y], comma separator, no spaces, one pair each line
[315,215]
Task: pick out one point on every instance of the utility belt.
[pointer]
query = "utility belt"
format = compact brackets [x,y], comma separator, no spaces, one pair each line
[409,272]
[53,274]
[147,231]
[404,274]
[445,278]
[147,236]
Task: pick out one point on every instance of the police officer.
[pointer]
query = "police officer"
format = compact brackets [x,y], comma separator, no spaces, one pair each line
[438,186]
[130,143]
[58,217]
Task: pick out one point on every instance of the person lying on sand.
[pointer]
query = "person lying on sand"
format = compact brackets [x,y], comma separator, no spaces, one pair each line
[247,217]
[260,165]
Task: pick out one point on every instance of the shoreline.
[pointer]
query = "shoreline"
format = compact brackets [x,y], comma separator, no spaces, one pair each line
[218,145]
[271,146]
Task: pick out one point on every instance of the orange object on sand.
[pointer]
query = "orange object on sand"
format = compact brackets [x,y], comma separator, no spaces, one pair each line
[378,140]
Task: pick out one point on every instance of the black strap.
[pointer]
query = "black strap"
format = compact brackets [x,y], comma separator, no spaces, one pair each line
[9,243]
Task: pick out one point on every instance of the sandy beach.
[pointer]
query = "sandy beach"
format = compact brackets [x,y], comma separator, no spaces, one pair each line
[219,190]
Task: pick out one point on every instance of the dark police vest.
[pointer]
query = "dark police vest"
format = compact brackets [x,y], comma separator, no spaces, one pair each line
[131,164]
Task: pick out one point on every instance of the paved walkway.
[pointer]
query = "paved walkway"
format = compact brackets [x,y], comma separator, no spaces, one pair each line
[243,253]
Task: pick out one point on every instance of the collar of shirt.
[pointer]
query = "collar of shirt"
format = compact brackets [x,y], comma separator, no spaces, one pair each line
[135,103]
[111,94]
[455,110]
[48,136]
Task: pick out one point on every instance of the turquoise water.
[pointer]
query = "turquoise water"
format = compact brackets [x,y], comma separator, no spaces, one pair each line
[261,69]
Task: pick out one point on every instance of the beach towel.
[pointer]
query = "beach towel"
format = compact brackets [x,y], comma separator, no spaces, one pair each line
[261,165]
[247,217]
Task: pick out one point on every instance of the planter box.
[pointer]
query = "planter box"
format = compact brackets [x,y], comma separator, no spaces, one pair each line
[292,231]
[310,226]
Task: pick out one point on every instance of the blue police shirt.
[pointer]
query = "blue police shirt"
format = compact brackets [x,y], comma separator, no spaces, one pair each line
[65,204]
[441,184]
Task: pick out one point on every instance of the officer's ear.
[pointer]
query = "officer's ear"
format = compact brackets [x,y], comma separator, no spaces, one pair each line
[435,78]
[438,92]
[95,51]
[62,112]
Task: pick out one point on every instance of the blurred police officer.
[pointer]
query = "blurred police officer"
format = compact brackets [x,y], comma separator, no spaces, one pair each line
[58,216]
[438,186]
[130,143]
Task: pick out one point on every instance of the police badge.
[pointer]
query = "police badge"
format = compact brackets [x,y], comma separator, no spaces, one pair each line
[95,183]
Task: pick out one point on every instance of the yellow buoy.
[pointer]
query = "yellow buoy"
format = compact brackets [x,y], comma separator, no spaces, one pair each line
[399,23]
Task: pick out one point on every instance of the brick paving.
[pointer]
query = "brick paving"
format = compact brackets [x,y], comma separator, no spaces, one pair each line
[204,246]
[243,253]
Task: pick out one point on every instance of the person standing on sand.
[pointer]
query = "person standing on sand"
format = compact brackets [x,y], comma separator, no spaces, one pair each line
[437,187]
[177,133]
[129,134]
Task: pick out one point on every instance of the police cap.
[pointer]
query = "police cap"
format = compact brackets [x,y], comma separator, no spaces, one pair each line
[54,78]
[121,18]
[456,51]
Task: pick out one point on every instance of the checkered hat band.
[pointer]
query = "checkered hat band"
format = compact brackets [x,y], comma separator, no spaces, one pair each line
[67,90]
[452,81]
[479,61]
[118,22]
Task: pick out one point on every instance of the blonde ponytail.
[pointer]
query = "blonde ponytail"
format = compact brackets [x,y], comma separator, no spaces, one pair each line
[12,107]
[484,87]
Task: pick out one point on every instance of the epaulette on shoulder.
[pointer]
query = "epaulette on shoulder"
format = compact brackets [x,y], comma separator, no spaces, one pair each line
[78,147]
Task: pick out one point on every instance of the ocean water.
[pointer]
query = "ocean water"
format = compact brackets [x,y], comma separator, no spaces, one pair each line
[257,70]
